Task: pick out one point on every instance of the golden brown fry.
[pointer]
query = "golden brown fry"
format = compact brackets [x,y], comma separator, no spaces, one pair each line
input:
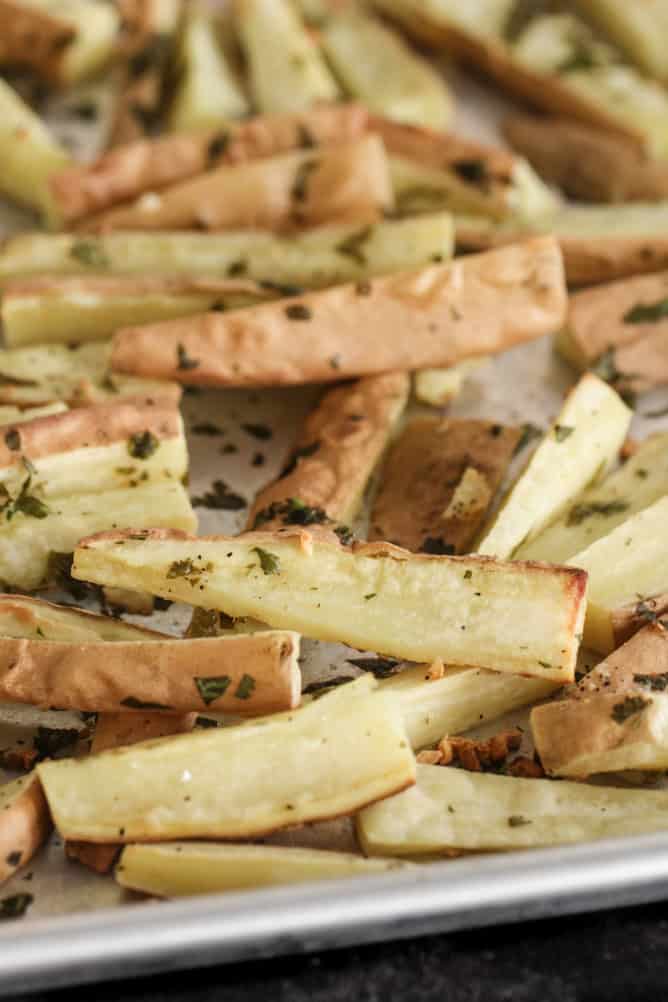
[153,164]
[431,317]
[347,183]
[24,822]
[336,452]
[439,481]
[616,717]
[248,675]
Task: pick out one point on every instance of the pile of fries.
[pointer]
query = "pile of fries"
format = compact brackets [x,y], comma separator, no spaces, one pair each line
[279,203]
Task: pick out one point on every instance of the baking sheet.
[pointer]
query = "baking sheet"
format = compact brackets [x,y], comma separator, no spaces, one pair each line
[59,941]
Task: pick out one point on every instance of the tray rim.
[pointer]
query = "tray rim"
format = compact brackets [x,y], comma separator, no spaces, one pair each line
[143,938]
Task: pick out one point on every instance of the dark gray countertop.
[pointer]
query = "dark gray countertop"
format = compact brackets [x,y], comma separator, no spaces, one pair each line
[616,956]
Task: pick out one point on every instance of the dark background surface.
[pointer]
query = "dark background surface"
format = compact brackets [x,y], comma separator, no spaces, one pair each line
[619,956]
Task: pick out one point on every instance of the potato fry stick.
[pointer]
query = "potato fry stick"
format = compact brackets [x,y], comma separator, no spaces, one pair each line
[176,869]
[349,183]
[452,809]
[432,317]
[336,452]
[24,823]
[519,618]
[439,482]
[238,782]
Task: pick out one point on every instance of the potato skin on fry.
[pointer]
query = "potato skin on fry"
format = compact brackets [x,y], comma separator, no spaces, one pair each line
[25,822]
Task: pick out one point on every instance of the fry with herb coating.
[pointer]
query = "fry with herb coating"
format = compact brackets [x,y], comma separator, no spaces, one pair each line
[519,618]
[25,822]
[439,482]
[335,454]
[436,316]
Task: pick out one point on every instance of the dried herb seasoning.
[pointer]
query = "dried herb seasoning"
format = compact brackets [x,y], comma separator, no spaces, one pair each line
[517,820]
[189,570]
[24,503]
[580,512]
[269,562]
[303,452]
[562,432]
[48,741]
[90,253]
[139,704]
[291,512]
[208,623]
[207,428]
[7,380]
[13,439]
[206,722]
[261,431]
[471,171]
[220,498]
[647,313]
[656,683]
[345,534]
[217,147]
[353,245]
[212,687]
[299,189]
[281,288]
[379,667]
[628,708]
[184,361]
[245,687]
[298,311]
[143,444]
[237,268]
[305,138]
[15,906]
[13,858]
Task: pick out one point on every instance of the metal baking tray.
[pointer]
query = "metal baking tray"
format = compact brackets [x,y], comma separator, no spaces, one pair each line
[82,927]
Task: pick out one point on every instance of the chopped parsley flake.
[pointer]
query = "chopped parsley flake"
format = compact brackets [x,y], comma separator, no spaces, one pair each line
[582,511]
[90,253]
[184,361]
[269,562]
[562,432]
[245,688]
[212,687]
[139,704]
[142,445]
[628,708]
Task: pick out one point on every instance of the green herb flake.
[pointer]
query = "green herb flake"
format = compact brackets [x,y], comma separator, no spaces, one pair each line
[13,439]
[220,498]
[13,858]
[24,503]
[353,245]
[437,546]
[90,253]
[562,432]
[299,190]
[7,380]
[139,704]
[245,688]
[517,820]
[545,664]
[207,428]
[142,445]
[372,594]
[647,313]
[468,575]
[580,512]
[15,906]
[269,562]
[298,311]
[656,683]
[212,687]
[184,361]
[335,362]
[472,171]
[628,708]
[260,431]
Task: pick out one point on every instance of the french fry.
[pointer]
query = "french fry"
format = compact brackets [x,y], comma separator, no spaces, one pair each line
[439,482]
[30,155]
[315,258]
[519,618]
[376,66]
[35,619]
[148,41]
[336,452]
[152,164]
[26,542]
[285,69]
[72,309]
[207,91]
[91,449]
[641,481]
[42,374]
[525,66]
[247,675]
[636,28]
[61,42]
[238,782]
[439,387]
[462,698]
[180,869]
[627,564]
[24,823]
[578,449]
[452,810]
[600,243]
[349,183]
[612,316]
[432,317]
[588,164]
[616,718]
[114,730]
